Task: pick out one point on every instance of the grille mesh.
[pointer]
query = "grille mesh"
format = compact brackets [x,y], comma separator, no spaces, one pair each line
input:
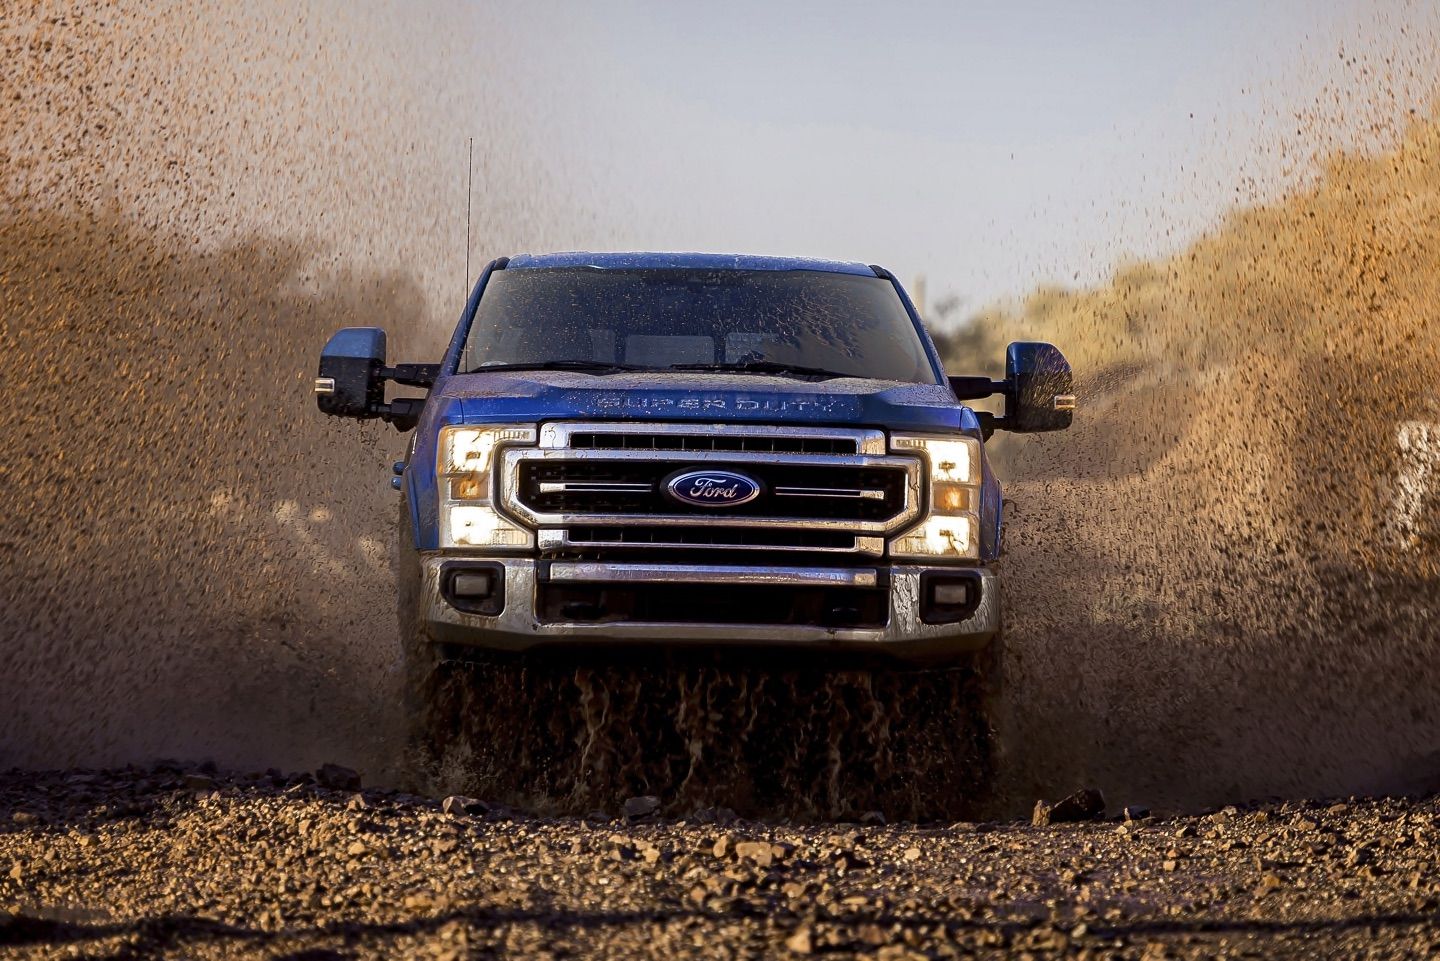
[597,490]
[713,537]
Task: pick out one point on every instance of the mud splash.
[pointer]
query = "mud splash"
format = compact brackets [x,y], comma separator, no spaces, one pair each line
[1223,582]
[179,583]
[761,742]
[195,563]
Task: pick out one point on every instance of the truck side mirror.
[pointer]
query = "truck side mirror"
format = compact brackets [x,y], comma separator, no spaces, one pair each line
[353,375]
[1039,388]
[350,382]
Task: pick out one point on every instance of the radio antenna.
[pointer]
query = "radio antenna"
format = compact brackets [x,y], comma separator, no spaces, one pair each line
[469,192]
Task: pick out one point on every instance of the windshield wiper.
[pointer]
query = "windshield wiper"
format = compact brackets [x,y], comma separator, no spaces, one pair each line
[588,366]
[763,367]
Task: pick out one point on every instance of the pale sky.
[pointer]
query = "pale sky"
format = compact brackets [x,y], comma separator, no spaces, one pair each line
[989,146]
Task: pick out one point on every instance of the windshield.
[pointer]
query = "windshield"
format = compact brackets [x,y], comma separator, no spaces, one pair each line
[689,318]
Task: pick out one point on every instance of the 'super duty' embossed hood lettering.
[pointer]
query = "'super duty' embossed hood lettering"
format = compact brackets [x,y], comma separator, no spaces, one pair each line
[690,396]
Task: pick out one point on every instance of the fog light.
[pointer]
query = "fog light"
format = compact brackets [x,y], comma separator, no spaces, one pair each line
[948,597]
[475,587]
[472,584]
[950,594]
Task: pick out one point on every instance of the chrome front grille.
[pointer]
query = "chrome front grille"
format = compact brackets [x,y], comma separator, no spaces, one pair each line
[583,538]
[590,487]
[636,486]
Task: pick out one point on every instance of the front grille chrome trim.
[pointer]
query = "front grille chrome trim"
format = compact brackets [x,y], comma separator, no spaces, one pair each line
[553,540]
[556,435]
[871,452]
[593,487]
[909,511]
[594,572]
[849,492]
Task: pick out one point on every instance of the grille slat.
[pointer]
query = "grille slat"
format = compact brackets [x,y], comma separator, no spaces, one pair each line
[841,492]
[718,537]
[710,442]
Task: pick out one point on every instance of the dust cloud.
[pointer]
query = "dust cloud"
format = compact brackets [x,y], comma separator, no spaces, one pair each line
[1221,584]
[192,197]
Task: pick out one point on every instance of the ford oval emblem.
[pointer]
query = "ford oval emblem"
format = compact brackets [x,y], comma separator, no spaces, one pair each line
[712,488]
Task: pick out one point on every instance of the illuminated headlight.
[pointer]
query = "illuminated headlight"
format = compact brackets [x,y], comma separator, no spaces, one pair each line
[471,450]
[476,526]
[951,460]
[466,475]
[938,537]
[951,528]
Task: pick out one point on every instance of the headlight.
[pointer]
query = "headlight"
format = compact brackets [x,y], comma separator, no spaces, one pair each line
[465,471]
[951,528]
[939,537]
[474,526]
[471,450]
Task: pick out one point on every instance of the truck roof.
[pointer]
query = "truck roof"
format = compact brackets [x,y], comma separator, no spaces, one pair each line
[621,261]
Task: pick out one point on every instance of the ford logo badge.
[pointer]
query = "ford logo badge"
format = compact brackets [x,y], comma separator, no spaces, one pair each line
[712,488]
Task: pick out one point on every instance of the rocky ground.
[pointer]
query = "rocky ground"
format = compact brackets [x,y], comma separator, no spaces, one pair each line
[179,862]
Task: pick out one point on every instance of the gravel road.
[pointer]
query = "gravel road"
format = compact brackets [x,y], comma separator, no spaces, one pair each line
[177,862]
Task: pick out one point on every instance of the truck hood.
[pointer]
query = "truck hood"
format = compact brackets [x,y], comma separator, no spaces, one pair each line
[681,396]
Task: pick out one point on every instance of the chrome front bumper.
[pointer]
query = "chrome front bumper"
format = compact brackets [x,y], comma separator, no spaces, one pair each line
[518,628]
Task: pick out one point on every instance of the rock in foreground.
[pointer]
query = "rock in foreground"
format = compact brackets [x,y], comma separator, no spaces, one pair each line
[1086,805]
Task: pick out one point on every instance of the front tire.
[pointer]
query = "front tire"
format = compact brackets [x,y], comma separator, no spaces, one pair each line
[425,673]
[468,712]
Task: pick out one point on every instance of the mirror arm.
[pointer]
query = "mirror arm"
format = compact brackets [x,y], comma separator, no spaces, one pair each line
[412,375]
[403,413]
[978,388]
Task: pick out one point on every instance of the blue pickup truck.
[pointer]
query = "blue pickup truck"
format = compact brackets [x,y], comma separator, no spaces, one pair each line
[693,451]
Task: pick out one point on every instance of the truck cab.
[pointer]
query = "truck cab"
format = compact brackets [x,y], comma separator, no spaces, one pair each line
[698,450]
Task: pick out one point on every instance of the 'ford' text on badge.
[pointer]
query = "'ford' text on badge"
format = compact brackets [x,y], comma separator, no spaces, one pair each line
[712,488]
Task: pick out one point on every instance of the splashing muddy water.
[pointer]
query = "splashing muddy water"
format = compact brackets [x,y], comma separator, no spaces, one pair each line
[1221,584]
[764,742]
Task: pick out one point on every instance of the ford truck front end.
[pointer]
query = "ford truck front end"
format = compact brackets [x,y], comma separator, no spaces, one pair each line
[689,451]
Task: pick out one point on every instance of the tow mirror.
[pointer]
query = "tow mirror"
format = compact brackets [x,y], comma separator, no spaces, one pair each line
[1041,393]
[351,381]
[1038,390]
